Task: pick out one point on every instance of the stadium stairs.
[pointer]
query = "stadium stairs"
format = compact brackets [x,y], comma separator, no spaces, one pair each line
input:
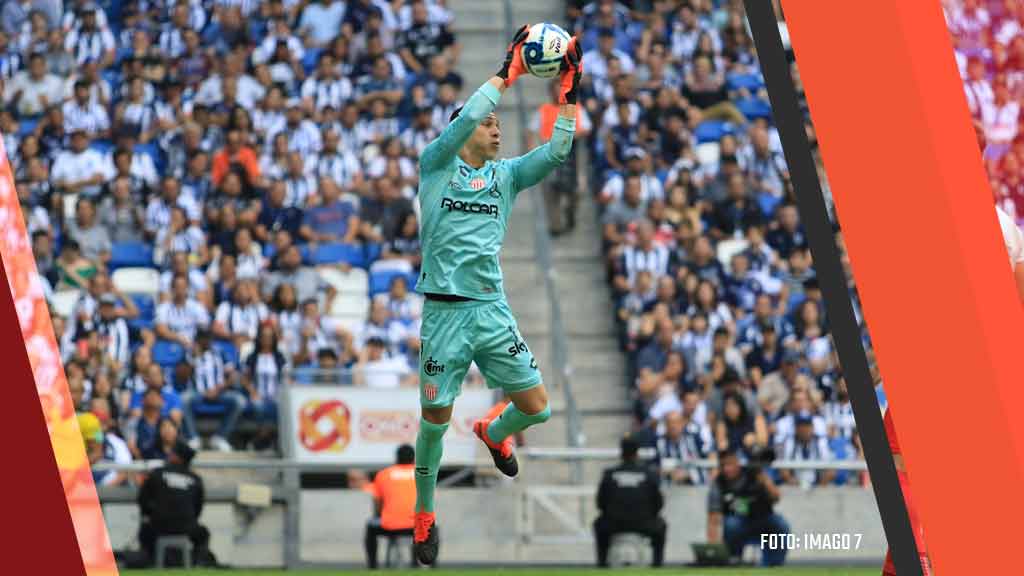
[598,365]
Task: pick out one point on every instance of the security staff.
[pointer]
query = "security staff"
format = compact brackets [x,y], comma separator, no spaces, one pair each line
[170,502]
[743,499]
[629,499]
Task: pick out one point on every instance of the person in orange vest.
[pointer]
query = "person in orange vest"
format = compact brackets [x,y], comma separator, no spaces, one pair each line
[394,494]
[560,190]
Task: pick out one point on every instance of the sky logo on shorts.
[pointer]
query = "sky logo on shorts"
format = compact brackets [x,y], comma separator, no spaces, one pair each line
[518,346]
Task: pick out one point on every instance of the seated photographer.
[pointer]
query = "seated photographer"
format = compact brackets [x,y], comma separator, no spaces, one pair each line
[741,508]
[629,500]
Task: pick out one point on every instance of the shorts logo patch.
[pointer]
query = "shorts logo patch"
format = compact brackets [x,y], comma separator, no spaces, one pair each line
[533,363]
[477,183]
[518,346]
[430,392]
[432,367]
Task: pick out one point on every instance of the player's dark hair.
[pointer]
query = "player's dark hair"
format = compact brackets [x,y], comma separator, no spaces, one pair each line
[455,114]
[405,454]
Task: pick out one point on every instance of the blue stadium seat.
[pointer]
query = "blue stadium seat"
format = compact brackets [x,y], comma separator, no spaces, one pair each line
[146,306]
[136,254]
[748,81]
[204,408]
[712,131]
[754,108]
[310,58]
[372,253]
[336,253]
[381,281]
[102,146]
[26,126]
[227,350]
[167,354]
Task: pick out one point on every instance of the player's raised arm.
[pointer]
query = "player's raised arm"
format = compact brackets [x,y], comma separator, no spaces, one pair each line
[444,148]
[533,166]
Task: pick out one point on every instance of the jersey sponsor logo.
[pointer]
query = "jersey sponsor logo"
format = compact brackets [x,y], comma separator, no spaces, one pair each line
[432,367]
[469,207]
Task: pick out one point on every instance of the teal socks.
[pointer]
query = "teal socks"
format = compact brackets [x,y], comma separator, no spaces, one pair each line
[512,420]
[429,447]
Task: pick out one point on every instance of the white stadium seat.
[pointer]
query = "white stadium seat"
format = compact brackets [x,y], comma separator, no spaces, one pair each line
[355,281]
[145,281]
[64,302]
[348,305]
[707,153]
[729,248]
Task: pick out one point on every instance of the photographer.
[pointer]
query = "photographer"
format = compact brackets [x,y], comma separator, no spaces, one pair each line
[740,505]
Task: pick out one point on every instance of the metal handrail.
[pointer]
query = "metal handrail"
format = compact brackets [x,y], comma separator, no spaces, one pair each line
[542,247]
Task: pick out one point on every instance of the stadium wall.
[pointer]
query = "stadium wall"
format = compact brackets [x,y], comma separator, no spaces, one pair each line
[332,524]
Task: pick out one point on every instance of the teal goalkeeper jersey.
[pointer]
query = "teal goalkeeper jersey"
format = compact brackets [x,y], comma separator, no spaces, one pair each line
[465,211]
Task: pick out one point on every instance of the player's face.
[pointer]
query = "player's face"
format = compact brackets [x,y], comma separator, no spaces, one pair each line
[487,137]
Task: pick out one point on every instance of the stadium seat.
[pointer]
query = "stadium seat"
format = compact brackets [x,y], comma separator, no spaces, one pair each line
[381,281]
[392,265]
[146,305]
[134,280]
[228,351]
[712,131]
[351,254]
[355,281]
[729,248]
[167,354]
[754,108]
[70,206]
[64,302]
[26,126]
[708,153]
[372,253]
[354,305]
[131,254]
[748,81]
[351,323]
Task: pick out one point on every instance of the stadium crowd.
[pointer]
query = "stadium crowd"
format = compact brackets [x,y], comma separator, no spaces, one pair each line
[219,193]
[989,48]
[715,296]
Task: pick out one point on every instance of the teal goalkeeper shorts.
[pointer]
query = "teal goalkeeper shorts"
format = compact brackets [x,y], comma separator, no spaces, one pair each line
[454,334]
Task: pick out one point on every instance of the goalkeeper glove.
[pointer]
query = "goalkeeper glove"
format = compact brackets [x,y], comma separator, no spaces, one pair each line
[513,67]
[572,69]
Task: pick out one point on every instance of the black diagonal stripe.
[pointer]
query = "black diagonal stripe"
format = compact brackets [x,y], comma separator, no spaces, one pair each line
[832,279]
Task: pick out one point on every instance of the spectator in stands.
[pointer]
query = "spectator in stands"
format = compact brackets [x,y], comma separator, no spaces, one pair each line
[262,377]
[170,401]
[275,215]
[394,495]
[179,319]
[741,508]
[806,445]
[120,214]
[403,305]
[739,430]
[682,442]
[405,245]
[332,220]
[775,388]
[33,90]
[629,499]
[214,386]
[376,368]
[112,330]
[80,169]
[239,319]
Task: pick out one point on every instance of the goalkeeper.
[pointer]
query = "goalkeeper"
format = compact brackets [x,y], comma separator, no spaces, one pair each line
[466,195]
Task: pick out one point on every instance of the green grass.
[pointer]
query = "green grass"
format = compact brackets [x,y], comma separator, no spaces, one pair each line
[798,571]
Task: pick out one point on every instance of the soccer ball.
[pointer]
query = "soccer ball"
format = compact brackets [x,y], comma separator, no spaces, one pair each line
[544,48]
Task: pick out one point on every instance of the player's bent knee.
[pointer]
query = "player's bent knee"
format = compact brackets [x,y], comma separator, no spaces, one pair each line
[437,415]
[542,416]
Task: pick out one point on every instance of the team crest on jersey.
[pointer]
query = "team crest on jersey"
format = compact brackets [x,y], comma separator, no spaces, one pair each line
[477,183]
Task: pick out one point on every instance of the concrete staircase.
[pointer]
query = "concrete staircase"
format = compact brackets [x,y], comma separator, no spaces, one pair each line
[598,365]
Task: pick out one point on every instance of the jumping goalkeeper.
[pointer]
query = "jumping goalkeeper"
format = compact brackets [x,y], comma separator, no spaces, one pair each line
[466,195]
